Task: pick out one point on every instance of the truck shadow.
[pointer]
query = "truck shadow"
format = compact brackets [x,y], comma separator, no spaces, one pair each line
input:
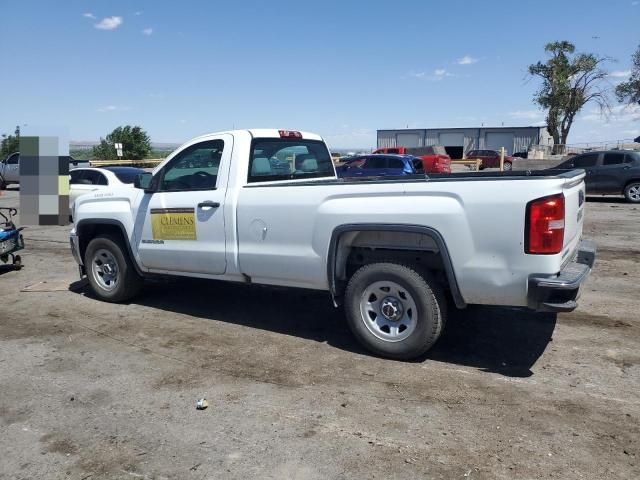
[492,339]
[606,199]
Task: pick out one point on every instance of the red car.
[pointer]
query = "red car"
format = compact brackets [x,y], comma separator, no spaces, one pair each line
[433,161]
[490,159]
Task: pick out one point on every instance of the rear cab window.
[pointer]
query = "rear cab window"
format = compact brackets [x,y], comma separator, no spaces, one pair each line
[274,159]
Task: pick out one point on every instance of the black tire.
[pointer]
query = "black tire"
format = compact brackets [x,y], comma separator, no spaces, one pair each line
[632,192]
[427,296]
[128,283]
[3,185]
[507,166]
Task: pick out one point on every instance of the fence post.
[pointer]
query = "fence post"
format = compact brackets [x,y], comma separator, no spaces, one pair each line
[501,159]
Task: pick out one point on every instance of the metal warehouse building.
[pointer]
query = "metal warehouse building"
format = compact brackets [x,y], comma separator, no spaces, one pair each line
[459,141]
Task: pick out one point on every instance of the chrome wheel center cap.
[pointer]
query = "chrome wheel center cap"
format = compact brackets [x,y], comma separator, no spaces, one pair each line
[391,309]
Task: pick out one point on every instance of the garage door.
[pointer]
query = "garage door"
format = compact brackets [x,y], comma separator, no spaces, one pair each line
[451,139]
[409,140]
[495,140]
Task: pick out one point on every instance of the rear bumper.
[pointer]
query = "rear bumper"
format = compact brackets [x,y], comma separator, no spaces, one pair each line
[559,293]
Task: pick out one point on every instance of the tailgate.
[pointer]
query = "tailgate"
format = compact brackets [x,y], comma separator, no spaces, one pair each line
[574,201]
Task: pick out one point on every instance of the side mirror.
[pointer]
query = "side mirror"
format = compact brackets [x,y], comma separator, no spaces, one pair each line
[143,181]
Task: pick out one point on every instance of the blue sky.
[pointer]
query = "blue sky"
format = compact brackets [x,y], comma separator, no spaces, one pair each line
[339,68]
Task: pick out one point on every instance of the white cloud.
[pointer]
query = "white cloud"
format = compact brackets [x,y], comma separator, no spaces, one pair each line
[633,4]
[418,74]
[89,15]
[137,14]
[109,23]
[620,73]
[440,73]
[467,60]
[526,114]
[112,108]
[147,31]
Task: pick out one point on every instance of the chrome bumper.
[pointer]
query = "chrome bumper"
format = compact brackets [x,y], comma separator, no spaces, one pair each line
[75,248]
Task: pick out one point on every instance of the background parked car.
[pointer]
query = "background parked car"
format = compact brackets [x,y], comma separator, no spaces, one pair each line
[376,165]
[85,180]
[490,159]
[434,158]
[611,172]
[10,168]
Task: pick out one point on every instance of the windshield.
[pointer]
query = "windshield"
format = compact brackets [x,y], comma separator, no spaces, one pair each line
[286,159]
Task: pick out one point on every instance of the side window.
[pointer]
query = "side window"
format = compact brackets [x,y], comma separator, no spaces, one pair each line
[392,150]
[395,163]
[613,158]
[74,177]
[374,163]
[92,177]
[195,168]
[13,159]
[418,166]
[285,159]
[584,161]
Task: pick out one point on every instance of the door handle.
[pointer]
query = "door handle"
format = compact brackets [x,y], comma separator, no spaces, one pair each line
[208,204]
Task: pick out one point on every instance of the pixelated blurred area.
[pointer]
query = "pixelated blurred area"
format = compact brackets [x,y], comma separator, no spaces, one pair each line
[44,181]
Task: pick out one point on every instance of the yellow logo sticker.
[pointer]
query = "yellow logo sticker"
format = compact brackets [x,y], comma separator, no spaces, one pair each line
[173,223]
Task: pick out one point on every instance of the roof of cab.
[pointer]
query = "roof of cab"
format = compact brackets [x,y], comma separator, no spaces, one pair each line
[265,133]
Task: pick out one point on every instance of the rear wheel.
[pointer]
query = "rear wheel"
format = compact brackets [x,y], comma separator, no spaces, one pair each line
[395,311]
[632,192]
[111,273]
[3,185]
[507,166]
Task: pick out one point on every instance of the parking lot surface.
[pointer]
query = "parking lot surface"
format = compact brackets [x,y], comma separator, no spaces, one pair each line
[95,390]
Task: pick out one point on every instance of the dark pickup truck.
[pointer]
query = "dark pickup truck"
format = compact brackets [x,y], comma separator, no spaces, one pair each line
[611,172]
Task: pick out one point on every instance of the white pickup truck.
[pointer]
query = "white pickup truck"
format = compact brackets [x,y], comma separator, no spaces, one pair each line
[265,207]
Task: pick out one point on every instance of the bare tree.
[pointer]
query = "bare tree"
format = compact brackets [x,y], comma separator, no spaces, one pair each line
[569,82]
[629,91]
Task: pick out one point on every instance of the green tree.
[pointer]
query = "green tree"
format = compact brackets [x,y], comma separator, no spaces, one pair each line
[629,91]
[569,81]
[136,144]
[10,143]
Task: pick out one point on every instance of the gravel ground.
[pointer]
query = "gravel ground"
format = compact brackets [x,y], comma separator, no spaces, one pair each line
[90,390]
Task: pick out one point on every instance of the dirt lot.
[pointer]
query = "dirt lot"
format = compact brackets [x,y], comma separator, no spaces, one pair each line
[90,390]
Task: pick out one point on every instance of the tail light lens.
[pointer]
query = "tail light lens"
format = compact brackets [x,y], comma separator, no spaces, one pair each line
[545,225]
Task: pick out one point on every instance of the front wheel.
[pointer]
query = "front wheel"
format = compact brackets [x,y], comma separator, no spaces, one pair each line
[507,166]
[3,185]
[394,311]
[632,192]
[111,273]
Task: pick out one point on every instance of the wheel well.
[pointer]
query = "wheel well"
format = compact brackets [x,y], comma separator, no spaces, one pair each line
[416,246]
[635,180]
[87,232]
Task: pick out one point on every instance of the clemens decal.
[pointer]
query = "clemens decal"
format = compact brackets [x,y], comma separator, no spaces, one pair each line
[177,220]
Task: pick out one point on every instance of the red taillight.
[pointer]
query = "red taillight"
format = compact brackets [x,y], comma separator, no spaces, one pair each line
[289,134]
[545,225]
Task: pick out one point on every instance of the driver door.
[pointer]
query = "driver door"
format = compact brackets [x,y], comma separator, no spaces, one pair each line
[182,216]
